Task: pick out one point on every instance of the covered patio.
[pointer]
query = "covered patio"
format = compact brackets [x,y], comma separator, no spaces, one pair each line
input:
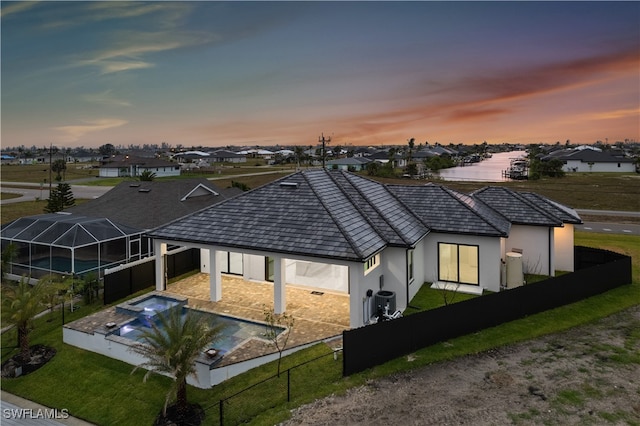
[318,315]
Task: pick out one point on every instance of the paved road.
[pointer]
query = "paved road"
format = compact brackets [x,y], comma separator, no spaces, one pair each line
[609,228]
[30,194]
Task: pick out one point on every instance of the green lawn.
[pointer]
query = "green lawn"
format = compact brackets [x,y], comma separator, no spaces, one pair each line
[103,391]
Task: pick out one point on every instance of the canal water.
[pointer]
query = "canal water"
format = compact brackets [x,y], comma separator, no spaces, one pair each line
[489,170]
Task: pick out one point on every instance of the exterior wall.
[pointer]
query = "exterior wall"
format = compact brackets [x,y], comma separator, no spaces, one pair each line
[535,245]
[579,166]
[394,268]
[318,275]
[488,251]
[419,269]
[563,242]
[108,172]
[162,171]
[361,305]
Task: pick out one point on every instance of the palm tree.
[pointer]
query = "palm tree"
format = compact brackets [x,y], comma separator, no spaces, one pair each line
[147,176]
[20,305]
[8,254]
[171,347]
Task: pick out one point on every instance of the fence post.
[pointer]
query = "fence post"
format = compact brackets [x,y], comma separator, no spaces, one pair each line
[289,385]
[221,414]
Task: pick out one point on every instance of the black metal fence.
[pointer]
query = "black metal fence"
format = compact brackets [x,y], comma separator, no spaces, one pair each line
[376,344]
[272,391]
[125,282]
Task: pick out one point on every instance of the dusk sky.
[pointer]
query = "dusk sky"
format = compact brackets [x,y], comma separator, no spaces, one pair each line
[364,73]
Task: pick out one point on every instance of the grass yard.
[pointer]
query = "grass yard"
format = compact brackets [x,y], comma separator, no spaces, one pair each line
[37,173]
[103,391]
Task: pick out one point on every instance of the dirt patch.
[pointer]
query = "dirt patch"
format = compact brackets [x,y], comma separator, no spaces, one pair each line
[587,375]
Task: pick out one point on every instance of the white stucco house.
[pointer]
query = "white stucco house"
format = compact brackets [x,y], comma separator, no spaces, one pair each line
[592,160]
[127,165]
[338,231]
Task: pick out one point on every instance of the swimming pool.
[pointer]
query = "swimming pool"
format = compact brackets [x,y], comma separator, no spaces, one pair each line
[234,332]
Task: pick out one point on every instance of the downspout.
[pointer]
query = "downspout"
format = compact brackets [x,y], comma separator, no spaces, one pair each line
[550,249]
[406,273]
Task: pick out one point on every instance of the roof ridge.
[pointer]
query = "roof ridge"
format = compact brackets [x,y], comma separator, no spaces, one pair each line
[409,209]
[487,220]
[490,207]
[346,235]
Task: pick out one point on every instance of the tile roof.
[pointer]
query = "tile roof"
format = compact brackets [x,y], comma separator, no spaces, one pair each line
[321,213]
[340,215]
[444,210]
[147,205]
[566,214]
[515,208]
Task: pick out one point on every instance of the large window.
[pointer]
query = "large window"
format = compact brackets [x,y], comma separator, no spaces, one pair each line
[458,263]
[233,264]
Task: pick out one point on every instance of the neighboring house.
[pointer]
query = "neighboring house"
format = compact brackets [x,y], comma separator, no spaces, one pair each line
[84,156]
[126,165]
[337,231]
[224,156]
[257,153]
[354,164]
[108,230]
[383,157]
[65,244]
[8,159]
[591,160]
[148,204]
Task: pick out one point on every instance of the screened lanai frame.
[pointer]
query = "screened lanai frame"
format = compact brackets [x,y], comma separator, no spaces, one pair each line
[68,244]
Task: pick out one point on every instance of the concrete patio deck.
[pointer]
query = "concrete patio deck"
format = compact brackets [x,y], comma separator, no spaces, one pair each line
[318,314]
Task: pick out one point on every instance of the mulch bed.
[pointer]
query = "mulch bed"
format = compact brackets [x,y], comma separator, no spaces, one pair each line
[40,355]
[193,417]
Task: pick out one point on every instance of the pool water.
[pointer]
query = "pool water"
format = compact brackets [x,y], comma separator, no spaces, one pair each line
[234,331]
[156,304]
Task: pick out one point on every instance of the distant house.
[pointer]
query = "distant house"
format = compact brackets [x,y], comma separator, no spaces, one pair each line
[383,157]
[331,230]
[225,156]
[129,166]
[591,160]
[354,164]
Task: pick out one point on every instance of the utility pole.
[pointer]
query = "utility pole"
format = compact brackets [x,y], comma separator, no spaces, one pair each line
[50,163]
[324,142]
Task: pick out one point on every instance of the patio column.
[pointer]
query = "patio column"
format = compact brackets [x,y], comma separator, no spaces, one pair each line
[356,295]
[279,281]
[215,275]
[160,249]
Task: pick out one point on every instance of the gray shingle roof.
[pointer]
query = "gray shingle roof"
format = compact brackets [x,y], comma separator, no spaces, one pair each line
[147,205]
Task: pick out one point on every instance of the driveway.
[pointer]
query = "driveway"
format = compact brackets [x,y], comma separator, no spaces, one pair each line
[31,192]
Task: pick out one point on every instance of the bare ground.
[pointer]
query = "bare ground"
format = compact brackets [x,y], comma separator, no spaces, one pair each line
[588,375]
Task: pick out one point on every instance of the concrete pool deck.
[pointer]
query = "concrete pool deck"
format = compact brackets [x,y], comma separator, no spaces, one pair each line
[317,316]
